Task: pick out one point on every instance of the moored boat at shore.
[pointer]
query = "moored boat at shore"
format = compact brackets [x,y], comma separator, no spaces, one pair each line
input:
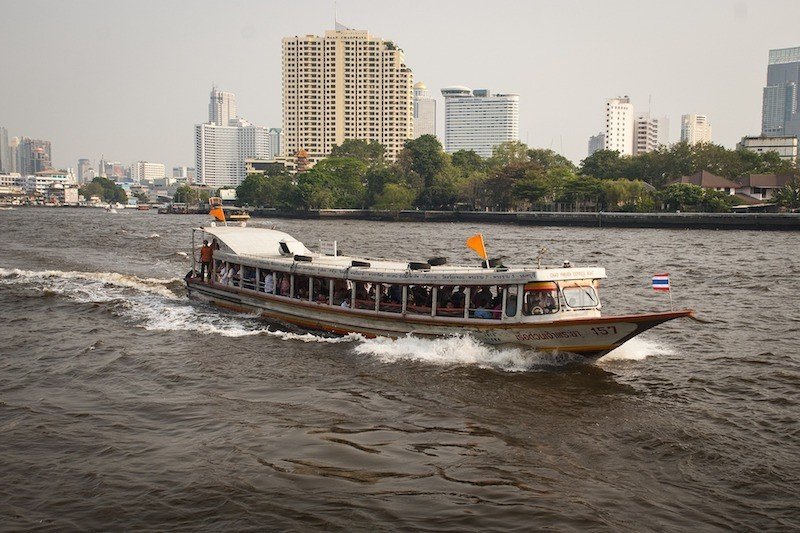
[270,273]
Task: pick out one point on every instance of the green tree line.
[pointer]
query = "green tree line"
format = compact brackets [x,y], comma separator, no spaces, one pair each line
[357,175]
[105,189]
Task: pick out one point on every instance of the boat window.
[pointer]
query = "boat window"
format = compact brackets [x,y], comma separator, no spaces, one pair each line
[320,290]
[391,298]
[540,298]
[229,274]
[365,295]
[419,299]
[450,301]
[283,283]
[248,277]
[580,297]
[486,302]
[266,283]
[301,287]
[511,300]
[341,293]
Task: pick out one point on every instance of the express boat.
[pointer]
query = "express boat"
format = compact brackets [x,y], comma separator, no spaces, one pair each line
[272,274]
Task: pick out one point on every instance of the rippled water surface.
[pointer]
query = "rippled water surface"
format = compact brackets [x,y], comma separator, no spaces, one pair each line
[125,406]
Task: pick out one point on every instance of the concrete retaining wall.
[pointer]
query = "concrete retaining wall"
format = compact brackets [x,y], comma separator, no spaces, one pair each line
[749,221]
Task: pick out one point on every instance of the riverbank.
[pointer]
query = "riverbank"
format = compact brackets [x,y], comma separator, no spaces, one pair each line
[742,221]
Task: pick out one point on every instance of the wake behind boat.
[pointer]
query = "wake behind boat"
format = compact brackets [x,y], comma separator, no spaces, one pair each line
[269,272]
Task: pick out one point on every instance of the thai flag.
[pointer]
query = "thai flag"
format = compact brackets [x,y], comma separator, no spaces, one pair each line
[661,282]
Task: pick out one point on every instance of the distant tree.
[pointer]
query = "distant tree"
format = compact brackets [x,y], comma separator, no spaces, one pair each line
[104,188]
[142,197]
[603,164]
[190,195]
[370,152]
[547,159]
[789,195]
[509,152]
[395,197]
[467,161]
[252,190]
[421,160]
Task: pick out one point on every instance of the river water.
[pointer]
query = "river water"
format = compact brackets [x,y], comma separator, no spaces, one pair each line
[125,406]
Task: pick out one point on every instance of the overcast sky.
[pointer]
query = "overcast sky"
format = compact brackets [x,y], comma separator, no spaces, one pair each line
[129,79]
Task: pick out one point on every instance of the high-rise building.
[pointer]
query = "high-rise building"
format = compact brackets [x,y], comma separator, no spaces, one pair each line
[479,120]
[663,131]
[13,150]
[346,85]
[695,129]
[424,111]
[645,138]
[221,107]
[84,165]
[5,152]
[144,170]
[33,155]
[597,142]
[619,125]
[221,150]
[275,142]
[780,112]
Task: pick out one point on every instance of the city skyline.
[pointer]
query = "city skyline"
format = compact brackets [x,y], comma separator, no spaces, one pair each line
[545,53]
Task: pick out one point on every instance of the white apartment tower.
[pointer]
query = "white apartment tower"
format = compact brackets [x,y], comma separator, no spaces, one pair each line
[646,134]
[479,120]
[695,129]
[221,107]
[424,111]
[220,150]
[143,170]
[346,85]
[619,125]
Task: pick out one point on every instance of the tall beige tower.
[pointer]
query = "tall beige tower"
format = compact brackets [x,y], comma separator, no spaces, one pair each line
[346,85]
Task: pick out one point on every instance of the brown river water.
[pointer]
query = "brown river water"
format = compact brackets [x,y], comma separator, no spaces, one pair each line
[123,405]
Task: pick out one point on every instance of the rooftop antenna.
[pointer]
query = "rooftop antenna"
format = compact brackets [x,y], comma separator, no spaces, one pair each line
[335,17]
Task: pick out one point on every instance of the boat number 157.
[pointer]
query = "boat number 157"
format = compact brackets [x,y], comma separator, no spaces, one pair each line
[608,330]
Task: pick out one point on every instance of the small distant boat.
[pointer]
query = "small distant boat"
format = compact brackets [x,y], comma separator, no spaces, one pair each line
[110,209]
[550,308]
[143,207]
[232,214]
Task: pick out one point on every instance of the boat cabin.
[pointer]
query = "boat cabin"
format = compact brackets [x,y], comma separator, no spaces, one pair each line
[272,264]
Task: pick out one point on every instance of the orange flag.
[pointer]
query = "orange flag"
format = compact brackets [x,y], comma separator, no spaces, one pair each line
[476,243]
[218,214]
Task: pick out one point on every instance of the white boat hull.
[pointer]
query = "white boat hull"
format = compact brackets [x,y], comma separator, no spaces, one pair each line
[592,337]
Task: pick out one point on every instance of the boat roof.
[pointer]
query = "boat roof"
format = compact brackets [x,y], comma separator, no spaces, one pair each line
[262,247]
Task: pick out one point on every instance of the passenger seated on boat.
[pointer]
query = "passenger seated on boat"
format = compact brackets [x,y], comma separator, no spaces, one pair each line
[395,294]
[225,274]
[249,277]
[340,296]
[233,275]
[268,283]
[549,303]
[285,285]
[482,298]
[458,298]
[482,312]
[321,299]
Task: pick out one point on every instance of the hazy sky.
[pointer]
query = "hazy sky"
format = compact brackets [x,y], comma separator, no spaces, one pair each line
[129,79]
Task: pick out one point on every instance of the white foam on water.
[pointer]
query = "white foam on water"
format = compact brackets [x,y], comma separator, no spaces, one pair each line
[460,350]
[637,349]
[89,284]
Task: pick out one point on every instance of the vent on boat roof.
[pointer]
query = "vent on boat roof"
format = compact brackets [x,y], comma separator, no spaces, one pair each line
[284,248]
[437,261]
[359,264]
[305,258]
[494,263]
[418,266]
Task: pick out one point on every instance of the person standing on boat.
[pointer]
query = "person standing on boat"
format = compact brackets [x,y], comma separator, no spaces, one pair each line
[206,256]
